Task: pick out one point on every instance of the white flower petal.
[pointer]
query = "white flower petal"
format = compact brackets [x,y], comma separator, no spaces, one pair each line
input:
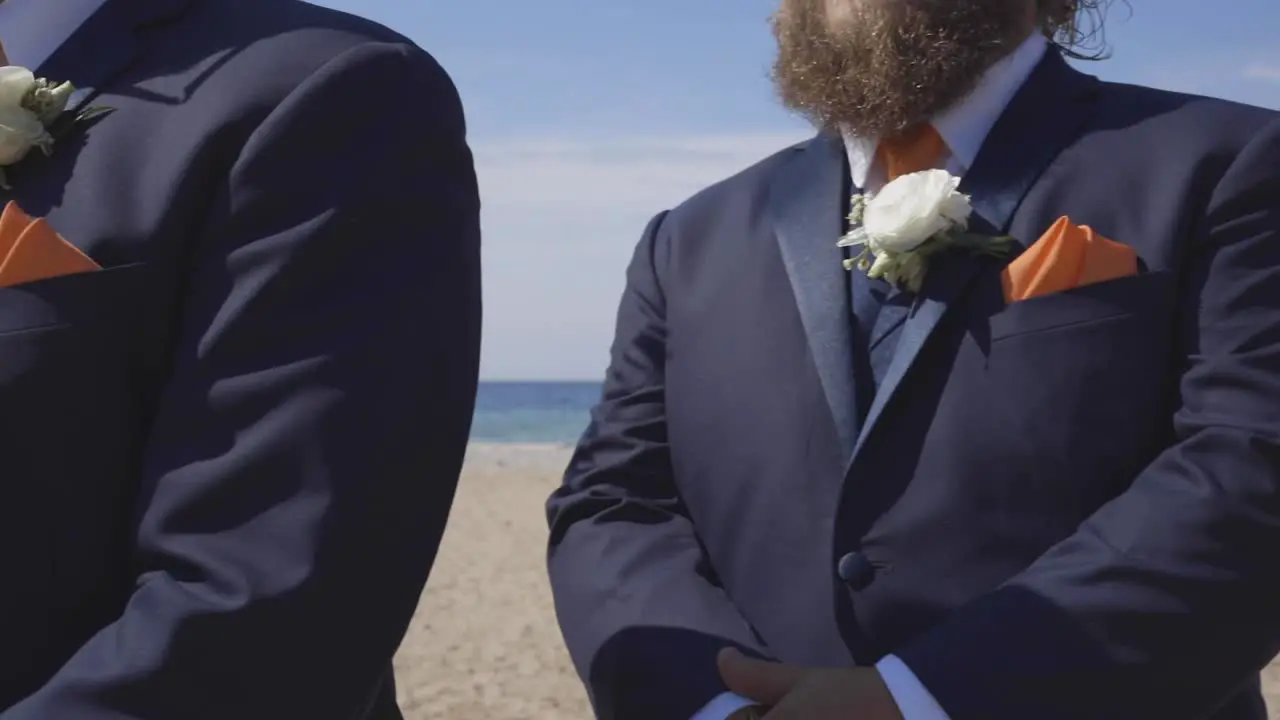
[20,130]
[913,208]
[856,236]
[14,83]
[956,208]
[880,265]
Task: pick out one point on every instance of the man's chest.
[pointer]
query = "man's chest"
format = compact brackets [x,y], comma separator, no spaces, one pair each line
[1106,353]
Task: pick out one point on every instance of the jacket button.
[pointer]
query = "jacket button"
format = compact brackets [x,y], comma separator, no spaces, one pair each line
[856,571]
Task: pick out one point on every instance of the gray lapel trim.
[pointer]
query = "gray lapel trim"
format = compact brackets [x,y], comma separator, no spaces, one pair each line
[808,201]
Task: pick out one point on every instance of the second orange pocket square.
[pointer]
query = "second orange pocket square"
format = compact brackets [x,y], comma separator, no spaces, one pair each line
[31,250]
[1066,257]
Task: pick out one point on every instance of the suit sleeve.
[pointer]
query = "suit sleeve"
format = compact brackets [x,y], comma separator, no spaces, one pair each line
[1166,601]
[638,603]
[308,440]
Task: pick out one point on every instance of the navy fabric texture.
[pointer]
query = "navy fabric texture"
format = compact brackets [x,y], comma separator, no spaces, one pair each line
[228,455]
[1072,502]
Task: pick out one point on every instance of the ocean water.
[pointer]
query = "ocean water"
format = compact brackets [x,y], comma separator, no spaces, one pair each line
[533,412]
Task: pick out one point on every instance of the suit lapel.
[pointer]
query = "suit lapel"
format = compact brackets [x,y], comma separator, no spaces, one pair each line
[1045,116]
[101,49]
[808,201]
[104,46]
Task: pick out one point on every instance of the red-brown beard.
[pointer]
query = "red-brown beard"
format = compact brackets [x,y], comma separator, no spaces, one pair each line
[888,64]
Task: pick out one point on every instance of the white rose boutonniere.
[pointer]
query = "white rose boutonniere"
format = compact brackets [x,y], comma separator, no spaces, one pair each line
[29,106]
[910,219]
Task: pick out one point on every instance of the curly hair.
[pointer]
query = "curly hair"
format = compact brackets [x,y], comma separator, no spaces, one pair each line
[1076,27]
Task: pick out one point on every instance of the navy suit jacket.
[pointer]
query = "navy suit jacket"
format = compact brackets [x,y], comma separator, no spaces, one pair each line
[1072,503]
[227,457]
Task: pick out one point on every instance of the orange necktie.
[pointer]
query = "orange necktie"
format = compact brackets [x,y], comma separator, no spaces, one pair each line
[916,149]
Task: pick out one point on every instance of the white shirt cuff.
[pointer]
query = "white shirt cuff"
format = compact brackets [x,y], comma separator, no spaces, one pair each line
[913,699]
[722,706]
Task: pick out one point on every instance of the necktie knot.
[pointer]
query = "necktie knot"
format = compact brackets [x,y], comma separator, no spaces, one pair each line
[917,148]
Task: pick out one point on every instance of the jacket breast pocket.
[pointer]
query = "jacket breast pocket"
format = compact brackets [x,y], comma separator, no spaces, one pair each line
[65,344]
[83,312]
[76,299]
[1147,294]
[1086,379]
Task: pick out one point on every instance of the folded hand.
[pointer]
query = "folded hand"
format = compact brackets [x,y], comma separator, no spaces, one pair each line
[799,693]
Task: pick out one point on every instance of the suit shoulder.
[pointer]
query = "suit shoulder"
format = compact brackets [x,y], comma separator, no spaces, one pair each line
[747,188]
[250,55]
[280,42]
[1199,118]
[282,20]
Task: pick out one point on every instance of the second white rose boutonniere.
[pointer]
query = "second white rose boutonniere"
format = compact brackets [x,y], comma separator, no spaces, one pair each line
[29,106]
[909,220]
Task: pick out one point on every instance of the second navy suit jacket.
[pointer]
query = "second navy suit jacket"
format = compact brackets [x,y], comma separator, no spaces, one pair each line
[227,457]
[1070,505]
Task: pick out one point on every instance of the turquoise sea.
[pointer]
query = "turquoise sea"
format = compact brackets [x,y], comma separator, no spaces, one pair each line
[533,412]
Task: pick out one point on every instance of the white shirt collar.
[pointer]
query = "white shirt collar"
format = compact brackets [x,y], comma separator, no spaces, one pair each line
[965,125]
[33,30]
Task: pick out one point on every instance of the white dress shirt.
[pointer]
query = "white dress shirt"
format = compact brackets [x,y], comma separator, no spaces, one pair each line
[33,30]
[964,128]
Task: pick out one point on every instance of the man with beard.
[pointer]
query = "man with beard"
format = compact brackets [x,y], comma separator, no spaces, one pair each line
[1042,482]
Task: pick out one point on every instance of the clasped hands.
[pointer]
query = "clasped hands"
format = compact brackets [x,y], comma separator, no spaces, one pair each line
[800,693]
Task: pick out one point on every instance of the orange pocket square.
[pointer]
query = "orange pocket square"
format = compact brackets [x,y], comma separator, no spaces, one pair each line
[30,250]
[1068,256]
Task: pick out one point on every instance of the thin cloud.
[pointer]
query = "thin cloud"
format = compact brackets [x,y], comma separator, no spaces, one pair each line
[1263,72]
[561,217]
[611,176]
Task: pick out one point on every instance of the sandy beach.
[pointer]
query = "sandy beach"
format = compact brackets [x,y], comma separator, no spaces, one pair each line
[484,644]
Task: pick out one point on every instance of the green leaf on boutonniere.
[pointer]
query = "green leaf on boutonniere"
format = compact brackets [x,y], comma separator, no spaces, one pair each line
[991,245]
[93,112]
[64,124]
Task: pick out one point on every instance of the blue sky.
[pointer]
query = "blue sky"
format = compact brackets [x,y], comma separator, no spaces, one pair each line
[589,116]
